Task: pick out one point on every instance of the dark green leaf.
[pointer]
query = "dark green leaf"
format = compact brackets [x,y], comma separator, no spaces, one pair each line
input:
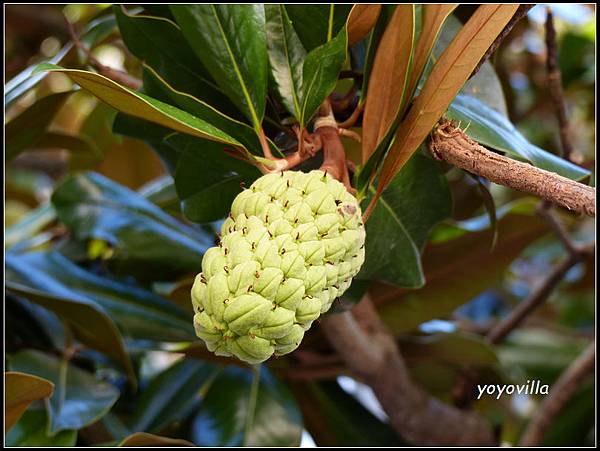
[460,268]
[286,57]
[160,44]
[208,179]
[316,24]
[320,73]
[90,324]
[32,431]
[79,399]
[138,313]
[334,418]
[237,412]
[494,130]
[140,233]
[173,394]
[159,89]
[230,41]
[416,200]
[24,131]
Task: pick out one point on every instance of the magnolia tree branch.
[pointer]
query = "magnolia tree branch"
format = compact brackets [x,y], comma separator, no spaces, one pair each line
[450,144]
[370,351]
[562,391]
[537,298]
[555,87]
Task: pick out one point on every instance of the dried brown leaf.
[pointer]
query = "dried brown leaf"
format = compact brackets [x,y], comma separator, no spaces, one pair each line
[360,22]
[388,78]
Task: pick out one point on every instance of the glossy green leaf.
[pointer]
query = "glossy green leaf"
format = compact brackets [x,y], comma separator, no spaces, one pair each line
[144,439]
[317,24]
[320,73]
[139,232]
[138,313]
[90,324]
[286,57]
[26,130]
[140,105]
[208,179]
[335,418]
[460,268]
[160,44]
[230,41]
[32,431]
[238,412]
[173,394]
[415,201]
[21,390]
[79,399]
[161,90]
[494,130]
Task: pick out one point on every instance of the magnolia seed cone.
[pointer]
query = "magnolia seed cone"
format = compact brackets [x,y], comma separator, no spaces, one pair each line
[290,247]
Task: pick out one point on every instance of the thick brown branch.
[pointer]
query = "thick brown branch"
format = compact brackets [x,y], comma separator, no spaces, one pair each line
[555,87]
[519,14]
[371,352]
[564,388]
[450,144]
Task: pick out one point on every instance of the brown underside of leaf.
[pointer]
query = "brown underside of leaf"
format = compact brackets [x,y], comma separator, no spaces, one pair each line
[360,22]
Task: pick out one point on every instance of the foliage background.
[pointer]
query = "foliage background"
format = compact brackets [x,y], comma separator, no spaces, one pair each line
[143,284]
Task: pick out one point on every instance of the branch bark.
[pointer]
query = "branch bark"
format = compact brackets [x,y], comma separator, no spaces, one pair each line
[449,143]
[369,350]
[562,391]
[555,87]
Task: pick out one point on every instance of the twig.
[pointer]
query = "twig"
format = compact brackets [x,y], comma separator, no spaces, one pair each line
[120,77]
[537,298]
[555,87]
[545,211]
[450,144]
[353,117]
[519,14]
[370,350]
[562,391]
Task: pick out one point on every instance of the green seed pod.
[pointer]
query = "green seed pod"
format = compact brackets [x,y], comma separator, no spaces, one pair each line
[290,247]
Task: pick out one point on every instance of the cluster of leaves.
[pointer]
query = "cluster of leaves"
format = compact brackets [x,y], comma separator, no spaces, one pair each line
[91,309]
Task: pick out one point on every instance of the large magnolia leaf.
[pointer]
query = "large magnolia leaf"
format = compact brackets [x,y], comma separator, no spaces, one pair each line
[317,24]
[79,399]
[21,390]
[446,79]
[230,41]
[90,324]
[388,79]
[161,45]
[144,239]
[139,313]
[286,57]
[140,105]
[361,21]
[241,409]
[173,394]
[27,129]
[460,268]
[416,200]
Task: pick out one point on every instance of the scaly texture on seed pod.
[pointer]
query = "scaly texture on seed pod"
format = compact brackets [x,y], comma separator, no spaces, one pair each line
[291,245]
